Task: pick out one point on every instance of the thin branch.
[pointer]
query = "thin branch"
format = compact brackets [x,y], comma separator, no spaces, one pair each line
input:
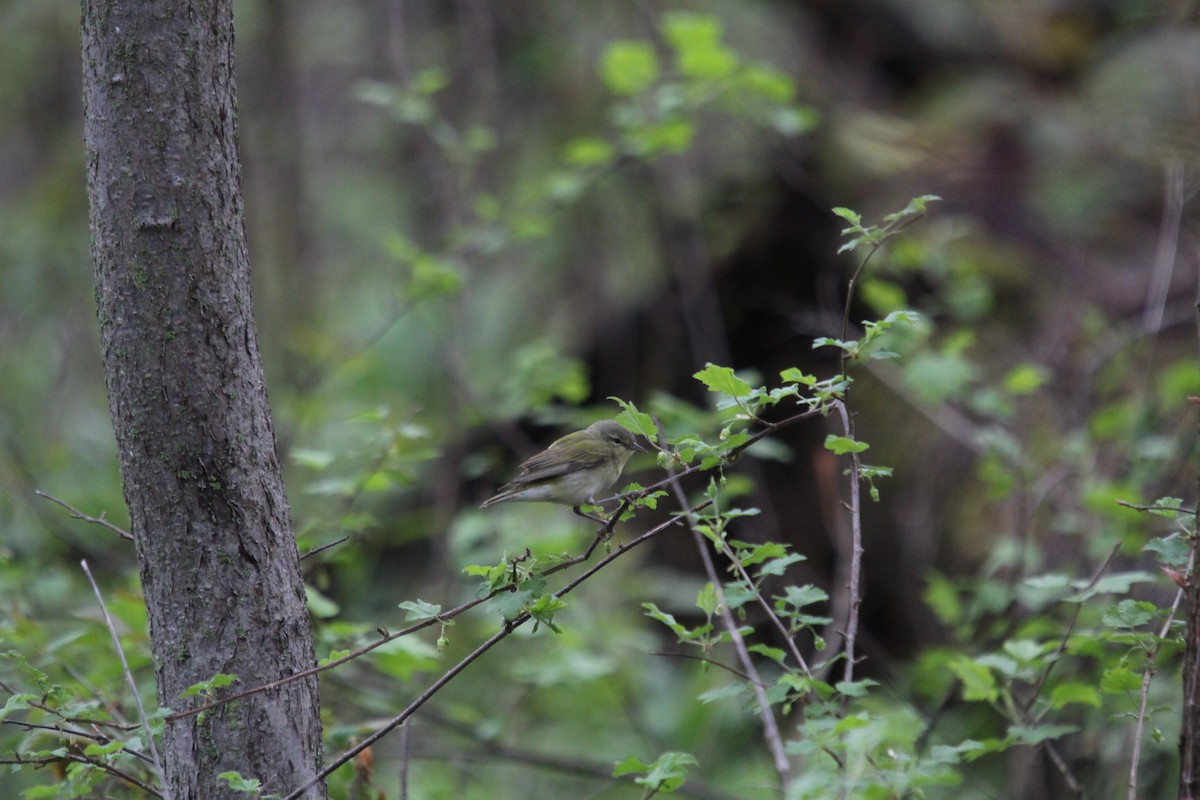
[1062,643]
[77,514]
[1064,769]
[1176,509]
[99,738]
[109,768]
[706,660]
[850,637]
[771,734]
[324,547]
[1144,700]
[491,642]
[137,698]
[337,662]
[579,767]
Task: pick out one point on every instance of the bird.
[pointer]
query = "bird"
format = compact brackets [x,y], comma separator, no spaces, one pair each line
[573,470]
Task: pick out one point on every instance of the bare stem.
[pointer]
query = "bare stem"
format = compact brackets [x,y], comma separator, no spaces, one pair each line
[771,734]
[77,514]
[137,698]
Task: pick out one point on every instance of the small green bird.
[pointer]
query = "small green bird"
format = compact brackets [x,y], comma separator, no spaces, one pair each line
[573,470]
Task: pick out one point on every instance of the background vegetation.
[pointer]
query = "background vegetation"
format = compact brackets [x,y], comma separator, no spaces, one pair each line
[473,223]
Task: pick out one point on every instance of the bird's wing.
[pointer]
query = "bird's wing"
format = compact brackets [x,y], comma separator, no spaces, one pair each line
[549,463]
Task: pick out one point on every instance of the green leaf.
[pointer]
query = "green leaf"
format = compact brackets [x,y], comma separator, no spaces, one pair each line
[978,681]
[844,444]
[665,774]
[853,217]
[17,702]
[317,460]
[699,52]
[722,379]
[1075,692]
[636,421]
[776,654]
[218,681]
[1129,614]
[793,375]
[1025,650]
[319,605]
[1025,378]
[1172,550]
[418,610]
[654,612]
[1120,680]
[104,749]
[800,596]
[628,67]
[1111,584]
[239,784]
[588,151]
[942,597]
[1036,734]
[706,601]
[630,766]
[855,688]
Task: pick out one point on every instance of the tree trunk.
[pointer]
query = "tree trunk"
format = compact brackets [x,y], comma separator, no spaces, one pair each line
[219,565]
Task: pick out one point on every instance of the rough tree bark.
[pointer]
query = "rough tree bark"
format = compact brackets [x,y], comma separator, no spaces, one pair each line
[219,565]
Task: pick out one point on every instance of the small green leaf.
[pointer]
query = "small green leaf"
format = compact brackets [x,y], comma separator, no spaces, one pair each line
[1129,614]
[1025,378]
[844,444]
[853,217]
[1077,693]
[628,66]
[793,375]
[218,681]
[776,654]
[630,766]
[1172,550]
[855,688]
[319,605]
[636,421]
[418,610]
[1120,680]
[1025,650]
[706,601]
[722,379]
[978,681]
[312,458]
[1036,734]
[588,151]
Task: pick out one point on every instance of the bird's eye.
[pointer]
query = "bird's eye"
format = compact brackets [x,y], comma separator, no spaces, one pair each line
[616,440]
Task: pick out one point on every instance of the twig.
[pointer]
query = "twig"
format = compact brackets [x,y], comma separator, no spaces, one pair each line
[77,514]
[68,756]
[324,547]
[1062,643]
[850,636]
[1176,509]
[69,732]
[1147,673]
[771,734]
[492,641]
[137,698]
[337,662]
[706,660]
[579,767]
[1064,769]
